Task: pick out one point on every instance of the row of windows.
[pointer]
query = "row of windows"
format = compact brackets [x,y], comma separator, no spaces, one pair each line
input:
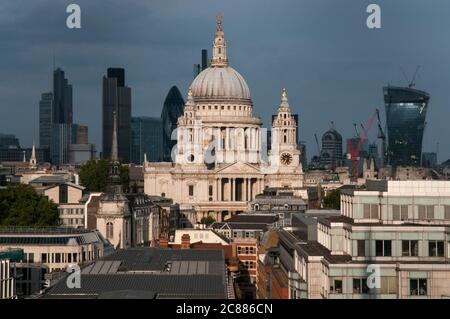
[410,248]
[71,211]
[245,250]
[67,257]
[388,285]
[248,264]
[72,221]
[401,212]
[222,107]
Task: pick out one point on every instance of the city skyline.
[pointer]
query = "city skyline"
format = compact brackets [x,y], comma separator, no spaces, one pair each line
[325,47]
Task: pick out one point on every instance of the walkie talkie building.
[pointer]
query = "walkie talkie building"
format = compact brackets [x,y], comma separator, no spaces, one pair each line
[406,110]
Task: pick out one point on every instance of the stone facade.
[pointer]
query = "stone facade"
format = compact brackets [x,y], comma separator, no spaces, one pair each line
[221,160]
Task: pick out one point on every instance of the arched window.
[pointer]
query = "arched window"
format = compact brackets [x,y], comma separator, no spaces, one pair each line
[109,230]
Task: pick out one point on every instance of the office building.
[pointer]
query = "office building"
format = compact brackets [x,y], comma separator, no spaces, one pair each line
[45,120]
[61,141]
[146,139]
[331,153]
[398,229]
[406,111]
[55,248]
[116,98]
[8,141]
[172,109]
[205,64]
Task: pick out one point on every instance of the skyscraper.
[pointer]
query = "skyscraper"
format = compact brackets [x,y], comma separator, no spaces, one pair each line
[331,153]
[146,138]
[406,110]
[116,98]
[45,120]
[62,98]
[55,118]
[172,110]
[204,59]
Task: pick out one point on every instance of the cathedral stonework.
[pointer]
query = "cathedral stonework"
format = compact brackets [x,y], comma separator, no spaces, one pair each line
[221,160]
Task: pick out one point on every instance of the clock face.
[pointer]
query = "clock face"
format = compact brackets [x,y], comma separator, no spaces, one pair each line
[286,158]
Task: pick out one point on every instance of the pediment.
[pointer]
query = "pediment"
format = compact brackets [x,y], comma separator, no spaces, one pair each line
[238,167]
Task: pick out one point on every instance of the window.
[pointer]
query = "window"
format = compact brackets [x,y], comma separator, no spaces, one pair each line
[426,212]
[370,211]
[395,212]
[410,248]
[399,212]
[388,285]
[31,257]
[436,248]
[336,286]
[44,258]
[191,190]
[418,287]
[210,190]
[361,246]
[447,212]
[360,286]
[57,258]
[383,248]
[109,231]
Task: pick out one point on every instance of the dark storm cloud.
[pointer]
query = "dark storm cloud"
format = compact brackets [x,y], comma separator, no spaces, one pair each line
[320,50]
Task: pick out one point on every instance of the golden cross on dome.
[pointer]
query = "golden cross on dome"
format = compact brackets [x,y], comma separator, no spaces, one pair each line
[190,92]
[283,93]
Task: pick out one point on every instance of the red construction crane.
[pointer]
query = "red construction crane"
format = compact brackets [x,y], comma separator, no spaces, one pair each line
[354,152]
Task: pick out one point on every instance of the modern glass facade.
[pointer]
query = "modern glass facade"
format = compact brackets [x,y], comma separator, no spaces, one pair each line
[45,120]
[116,98]
[173,108]
[146,138]
[406,110]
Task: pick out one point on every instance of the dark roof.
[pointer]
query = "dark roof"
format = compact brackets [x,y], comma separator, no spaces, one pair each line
[240,226]
[149,273]
[253,218]
[155,259]
[164,286]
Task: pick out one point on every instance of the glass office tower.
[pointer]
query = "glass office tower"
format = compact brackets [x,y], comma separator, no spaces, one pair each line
[406,110]
[146,138]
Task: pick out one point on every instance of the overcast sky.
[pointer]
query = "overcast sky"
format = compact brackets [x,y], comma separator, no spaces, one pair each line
[332,65]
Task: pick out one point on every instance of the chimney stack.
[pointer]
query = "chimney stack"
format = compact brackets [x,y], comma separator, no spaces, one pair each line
[185,241]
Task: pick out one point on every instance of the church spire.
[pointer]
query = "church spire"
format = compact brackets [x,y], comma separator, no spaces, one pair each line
[113,184]
[33,161]
[219,50]
[114,156]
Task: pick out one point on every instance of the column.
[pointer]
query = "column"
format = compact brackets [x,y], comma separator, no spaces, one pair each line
[244,189]
[233,189]
[249,185]
[217,190]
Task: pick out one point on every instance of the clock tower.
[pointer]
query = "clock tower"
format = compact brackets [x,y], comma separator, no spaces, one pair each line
[285,155]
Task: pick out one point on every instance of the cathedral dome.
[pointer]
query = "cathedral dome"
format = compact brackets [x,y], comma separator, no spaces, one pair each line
[220,83]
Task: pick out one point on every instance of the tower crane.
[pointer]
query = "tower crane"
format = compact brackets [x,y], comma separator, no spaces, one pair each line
[354,151]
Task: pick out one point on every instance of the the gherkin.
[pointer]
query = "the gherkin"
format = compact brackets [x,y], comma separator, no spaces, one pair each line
[172,110]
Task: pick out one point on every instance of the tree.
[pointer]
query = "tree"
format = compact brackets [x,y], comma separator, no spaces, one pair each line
[20,205]
[94,174]
[207,220]
[333,199]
